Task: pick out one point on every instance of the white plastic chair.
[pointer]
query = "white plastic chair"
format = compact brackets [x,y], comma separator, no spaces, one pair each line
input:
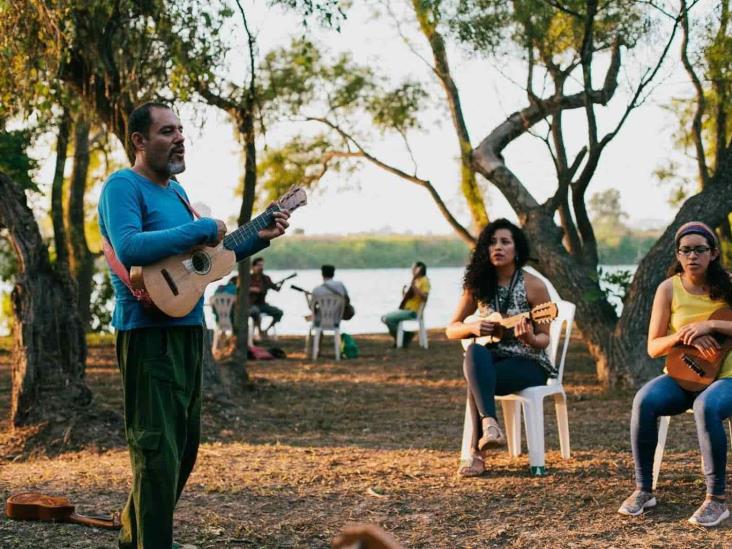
[532,399]
[413,325]
[222,304]
[328,318]
[661,445]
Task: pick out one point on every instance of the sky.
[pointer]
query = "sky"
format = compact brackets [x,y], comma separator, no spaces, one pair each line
[371,200]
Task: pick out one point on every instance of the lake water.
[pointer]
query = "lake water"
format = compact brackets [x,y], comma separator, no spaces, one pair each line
[373,292]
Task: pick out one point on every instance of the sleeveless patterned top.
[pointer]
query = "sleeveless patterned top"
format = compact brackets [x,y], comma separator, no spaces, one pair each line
[509,346]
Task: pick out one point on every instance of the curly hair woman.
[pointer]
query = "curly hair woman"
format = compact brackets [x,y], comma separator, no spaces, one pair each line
[495,281]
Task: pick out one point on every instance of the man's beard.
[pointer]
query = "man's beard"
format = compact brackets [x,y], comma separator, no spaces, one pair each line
[176,167]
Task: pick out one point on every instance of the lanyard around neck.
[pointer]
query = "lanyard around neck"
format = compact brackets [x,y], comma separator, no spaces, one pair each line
[502,307]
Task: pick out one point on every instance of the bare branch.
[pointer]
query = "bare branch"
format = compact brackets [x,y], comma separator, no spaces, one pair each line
[565,9]
[361,152]
[696,125]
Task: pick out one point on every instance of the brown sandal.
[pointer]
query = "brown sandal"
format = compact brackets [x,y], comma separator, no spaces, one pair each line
[473,468]
[492,434]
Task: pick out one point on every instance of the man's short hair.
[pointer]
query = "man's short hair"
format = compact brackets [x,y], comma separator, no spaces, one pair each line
[257,261]
[327,271]
[140,120]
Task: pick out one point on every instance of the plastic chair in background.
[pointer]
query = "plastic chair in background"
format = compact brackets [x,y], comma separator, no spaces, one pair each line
[661,445]
[327,319]
[531,400]
[222,305]
[413,325]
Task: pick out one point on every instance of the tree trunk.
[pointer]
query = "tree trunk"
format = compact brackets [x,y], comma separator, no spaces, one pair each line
[576,281]
[246,130]
[619,346]
[468,181]
[628,349]
[81,260]
[213,384]
[57,207]
[49,349]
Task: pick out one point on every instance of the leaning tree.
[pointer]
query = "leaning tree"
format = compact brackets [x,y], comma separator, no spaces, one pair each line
[49,350]
[561,45]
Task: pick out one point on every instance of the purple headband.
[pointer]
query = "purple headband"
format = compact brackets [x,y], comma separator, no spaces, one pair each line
[696,228]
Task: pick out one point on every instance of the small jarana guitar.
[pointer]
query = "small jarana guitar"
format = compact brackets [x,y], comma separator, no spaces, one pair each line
[175,284]
[541,314]
[691,370]
[35,506]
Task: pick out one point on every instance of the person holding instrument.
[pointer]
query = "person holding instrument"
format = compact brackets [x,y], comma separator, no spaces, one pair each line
[697,288]
[495,282]
[259,285]
[413,297]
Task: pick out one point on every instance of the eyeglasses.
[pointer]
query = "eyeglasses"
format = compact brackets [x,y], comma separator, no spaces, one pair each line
[698,250]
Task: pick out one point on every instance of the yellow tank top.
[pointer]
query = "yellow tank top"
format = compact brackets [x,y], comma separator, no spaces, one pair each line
[687,308]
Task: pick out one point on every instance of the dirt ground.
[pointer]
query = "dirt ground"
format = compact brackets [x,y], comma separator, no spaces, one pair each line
[317,445]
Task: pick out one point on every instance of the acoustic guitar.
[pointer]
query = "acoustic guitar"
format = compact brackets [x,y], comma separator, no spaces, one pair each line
[691,370]
[35,506]
[541,314]
[175,284]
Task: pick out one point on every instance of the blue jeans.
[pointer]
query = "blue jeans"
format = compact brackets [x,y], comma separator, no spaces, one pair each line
[393,319]
[662,396]
[488,376]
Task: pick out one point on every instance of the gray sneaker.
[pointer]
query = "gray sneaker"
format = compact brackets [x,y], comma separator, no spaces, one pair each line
[636,503]
[711,513]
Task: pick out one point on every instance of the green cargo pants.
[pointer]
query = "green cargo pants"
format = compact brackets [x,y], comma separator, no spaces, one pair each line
[161,375]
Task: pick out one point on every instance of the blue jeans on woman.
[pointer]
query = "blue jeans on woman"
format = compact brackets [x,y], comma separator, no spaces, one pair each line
[662,396]
[488,376]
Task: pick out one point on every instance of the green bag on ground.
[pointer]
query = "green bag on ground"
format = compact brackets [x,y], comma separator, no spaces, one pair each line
[349,348]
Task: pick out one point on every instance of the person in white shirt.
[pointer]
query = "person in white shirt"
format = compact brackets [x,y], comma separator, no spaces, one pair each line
[329,286]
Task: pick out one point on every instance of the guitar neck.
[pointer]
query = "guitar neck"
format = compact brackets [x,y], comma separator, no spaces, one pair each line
[512,321]
[240,236]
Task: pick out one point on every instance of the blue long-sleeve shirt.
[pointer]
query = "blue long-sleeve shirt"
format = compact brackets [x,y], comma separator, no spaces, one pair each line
[146,222]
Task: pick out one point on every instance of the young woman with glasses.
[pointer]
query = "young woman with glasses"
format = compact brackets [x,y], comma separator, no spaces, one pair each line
[697,286]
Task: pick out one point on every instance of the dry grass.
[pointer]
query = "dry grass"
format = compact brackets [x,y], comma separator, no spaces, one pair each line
[316,445]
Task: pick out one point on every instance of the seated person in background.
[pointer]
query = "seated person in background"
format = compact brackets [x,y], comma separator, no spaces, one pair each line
[328,287]
[230,286]
[258,286]
[414,296]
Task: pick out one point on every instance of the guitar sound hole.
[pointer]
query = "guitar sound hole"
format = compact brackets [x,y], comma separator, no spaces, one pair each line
[201,262]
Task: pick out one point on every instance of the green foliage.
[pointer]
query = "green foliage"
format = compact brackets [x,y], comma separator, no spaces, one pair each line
[329,13]
[7,317]
[298,162]
[607,216]
[8,259]
[365,252]
[300,78]
[14,161]
[618,282]
[100,308]
[625,249]
[555,35]
[397,109]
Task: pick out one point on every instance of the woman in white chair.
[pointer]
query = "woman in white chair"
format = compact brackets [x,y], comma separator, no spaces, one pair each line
[697,286]
[494,281]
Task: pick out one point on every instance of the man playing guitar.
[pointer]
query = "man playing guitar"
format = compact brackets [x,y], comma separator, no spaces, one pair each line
[145,216]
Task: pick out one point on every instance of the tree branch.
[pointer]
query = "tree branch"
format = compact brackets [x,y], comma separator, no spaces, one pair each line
[462,232]
[696,125]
